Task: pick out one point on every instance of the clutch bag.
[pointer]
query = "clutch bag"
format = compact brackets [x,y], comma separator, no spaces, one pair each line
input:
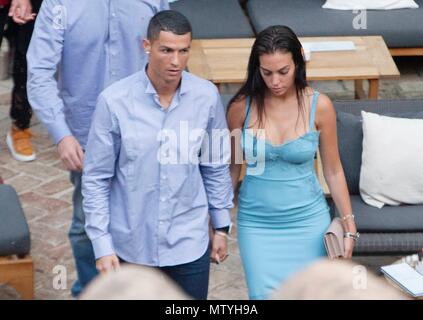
[334,239]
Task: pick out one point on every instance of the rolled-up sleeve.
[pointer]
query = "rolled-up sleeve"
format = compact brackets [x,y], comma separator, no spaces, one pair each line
[215,169]
[43,57]
[99,168]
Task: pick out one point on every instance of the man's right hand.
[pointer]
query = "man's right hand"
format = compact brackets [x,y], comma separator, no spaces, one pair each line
[108,263]
[71,153]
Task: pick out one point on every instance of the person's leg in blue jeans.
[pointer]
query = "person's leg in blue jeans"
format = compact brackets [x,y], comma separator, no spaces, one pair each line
[193,277]
[81,245]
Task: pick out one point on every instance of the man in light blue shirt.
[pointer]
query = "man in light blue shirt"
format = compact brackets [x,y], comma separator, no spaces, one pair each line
[150,179]
[79,47]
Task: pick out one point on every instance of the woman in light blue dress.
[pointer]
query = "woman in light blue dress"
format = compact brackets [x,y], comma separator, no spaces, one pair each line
[281,122]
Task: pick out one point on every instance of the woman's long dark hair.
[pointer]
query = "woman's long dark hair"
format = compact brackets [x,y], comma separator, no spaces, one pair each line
[271,40]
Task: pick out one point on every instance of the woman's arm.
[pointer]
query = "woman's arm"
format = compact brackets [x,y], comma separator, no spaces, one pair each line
[236,116]
[332,167]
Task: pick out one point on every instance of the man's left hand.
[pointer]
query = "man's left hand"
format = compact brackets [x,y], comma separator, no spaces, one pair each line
[219,248]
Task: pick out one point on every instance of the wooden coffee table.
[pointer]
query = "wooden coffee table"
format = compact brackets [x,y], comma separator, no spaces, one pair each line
[225,61]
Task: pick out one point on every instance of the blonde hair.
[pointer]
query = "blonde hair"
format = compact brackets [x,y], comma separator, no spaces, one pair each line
[337,280]
[133,283]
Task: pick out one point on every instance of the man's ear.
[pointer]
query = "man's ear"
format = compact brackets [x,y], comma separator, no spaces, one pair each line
[147,45]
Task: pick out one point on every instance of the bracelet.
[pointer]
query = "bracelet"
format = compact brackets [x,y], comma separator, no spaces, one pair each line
[352,235]
[348,216]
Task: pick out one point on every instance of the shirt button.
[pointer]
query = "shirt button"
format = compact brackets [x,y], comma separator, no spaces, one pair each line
[160,222]
[113,14]
[164,177]
[162,199]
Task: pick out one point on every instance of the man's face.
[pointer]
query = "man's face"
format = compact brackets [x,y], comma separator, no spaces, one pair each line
[168,55]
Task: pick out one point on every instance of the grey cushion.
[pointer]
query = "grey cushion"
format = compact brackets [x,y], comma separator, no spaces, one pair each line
[389,243]
[14,231]
[399,28]
[350,132]
[215,18]
[350,138]
[387,219]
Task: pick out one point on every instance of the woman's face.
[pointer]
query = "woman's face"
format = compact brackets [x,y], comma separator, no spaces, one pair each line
[278,71]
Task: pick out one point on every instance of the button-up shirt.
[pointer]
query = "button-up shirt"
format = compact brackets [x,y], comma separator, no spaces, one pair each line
[78,48]
[147,188]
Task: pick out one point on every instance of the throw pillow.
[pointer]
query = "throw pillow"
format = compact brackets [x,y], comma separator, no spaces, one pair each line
[391,168]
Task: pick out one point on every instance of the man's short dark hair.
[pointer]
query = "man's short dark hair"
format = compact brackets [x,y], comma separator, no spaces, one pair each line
[168,20]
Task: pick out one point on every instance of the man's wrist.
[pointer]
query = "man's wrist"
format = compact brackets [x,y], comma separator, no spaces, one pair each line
[223,229]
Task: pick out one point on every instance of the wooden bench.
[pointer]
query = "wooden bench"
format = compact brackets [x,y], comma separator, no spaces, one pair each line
[406,52]
[16,266]
[19,274]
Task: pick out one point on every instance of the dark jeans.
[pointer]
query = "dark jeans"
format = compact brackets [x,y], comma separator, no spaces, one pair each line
[192,277]
[20,36]
[81,245]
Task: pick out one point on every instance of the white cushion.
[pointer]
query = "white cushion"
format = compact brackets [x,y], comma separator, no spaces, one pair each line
[369,4]
[392,160]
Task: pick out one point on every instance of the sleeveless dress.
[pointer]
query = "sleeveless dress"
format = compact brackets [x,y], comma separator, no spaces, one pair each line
[282,211]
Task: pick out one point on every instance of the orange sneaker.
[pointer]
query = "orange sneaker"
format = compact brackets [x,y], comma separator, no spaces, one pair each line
[19,144]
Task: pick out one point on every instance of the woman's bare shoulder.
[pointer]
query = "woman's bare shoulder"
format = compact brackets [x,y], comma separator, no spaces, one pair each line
[325,110]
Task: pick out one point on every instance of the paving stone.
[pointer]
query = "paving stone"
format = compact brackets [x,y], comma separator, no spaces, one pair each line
[35,169]
[32,214]
[219,277]
[59,221]
[59,165]
[55,186]
[5,157]
[7,83]
[3,115]
[22,183]
[51,235]
[67,196]
[233,290]
[411,86]
[48,156]
[6,173]
[44,203]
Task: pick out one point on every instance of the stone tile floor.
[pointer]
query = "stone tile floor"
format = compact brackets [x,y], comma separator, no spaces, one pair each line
[46,193]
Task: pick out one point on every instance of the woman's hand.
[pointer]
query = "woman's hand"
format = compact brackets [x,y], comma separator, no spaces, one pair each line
[219,248]
[349,244]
